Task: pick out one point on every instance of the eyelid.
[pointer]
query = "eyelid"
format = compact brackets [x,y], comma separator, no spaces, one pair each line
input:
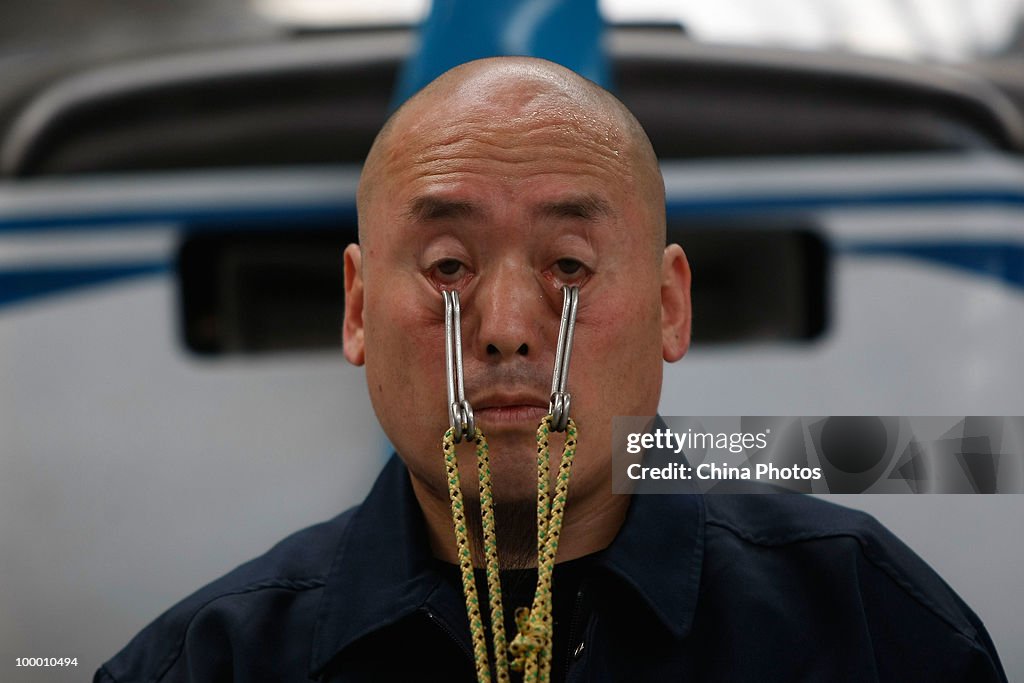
[442,248]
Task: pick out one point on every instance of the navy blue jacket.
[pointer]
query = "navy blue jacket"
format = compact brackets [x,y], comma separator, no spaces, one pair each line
[755,588]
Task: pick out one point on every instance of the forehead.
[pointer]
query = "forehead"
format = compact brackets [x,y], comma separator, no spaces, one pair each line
[529,145]
[515,96]
[516,110]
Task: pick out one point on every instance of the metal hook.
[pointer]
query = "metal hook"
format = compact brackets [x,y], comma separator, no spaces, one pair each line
[560,398]
[460,413]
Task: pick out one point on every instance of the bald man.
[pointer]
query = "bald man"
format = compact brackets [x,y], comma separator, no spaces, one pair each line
[507,180]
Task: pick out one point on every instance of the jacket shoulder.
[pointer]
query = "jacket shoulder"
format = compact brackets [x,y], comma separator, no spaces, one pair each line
[842,536]
[780,518]
[299,564]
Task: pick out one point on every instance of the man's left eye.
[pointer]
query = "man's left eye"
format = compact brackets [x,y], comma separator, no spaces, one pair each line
[449,266]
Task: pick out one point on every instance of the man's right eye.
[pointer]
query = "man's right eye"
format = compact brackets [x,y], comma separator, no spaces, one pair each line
[447,272]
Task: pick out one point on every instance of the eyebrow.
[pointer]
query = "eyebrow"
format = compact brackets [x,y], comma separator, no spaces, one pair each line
[428,209]
[587,207]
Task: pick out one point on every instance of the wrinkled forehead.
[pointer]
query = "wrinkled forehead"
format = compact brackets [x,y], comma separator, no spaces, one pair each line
[509,126]
[520,113]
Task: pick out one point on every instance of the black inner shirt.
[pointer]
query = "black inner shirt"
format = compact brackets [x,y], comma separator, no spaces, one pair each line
[517,590]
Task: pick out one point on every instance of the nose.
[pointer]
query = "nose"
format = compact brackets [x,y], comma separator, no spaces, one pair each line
[511,309]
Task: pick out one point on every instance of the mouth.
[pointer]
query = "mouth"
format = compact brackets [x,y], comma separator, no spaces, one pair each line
[509,412]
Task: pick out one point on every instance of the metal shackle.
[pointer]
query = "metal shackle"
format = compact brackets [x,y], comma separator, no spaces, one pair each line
[560,398]
[460,413]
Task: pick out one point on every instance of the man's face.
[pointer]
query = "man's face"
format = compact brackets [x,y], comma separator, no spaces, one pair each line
[505,200]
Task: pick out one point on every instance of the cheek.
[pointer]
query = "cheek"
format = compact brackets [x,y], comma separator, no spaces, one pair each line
[617,372]
[405,361]
[616,362]
[405,374]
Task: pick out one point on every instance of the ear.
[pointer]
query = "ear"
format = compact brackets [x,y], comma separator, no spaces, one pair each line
[352,327]
[676,312]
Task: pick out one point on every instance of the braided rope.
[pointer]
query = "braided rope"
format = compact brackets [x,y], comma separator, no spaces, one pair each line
[491,554]
[531,648]
[476,625]
[490,542]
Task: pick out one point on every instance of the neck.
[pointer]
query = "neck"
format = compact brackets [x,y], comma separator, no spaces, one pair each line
[592,519]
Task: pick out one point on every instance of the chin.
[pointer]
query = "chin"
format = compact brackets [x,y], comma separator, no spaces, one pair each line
[513,473]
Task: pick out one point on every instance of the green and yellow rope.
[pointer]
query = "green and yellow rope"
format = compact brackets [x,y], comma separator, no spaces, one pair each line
[476,625]
[531,648]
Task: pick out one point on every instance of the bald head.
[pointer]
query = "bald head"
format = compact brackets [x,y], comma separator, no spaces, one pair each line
[510,91]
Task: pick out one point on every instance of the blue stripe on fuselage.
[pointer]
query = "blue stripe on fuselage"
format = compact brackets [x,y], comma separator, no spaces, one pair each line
[999,259]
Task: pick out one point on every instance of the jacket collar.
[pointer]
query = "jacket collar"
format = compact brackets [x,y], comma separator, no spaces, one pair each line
[382,571]
[659,552]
